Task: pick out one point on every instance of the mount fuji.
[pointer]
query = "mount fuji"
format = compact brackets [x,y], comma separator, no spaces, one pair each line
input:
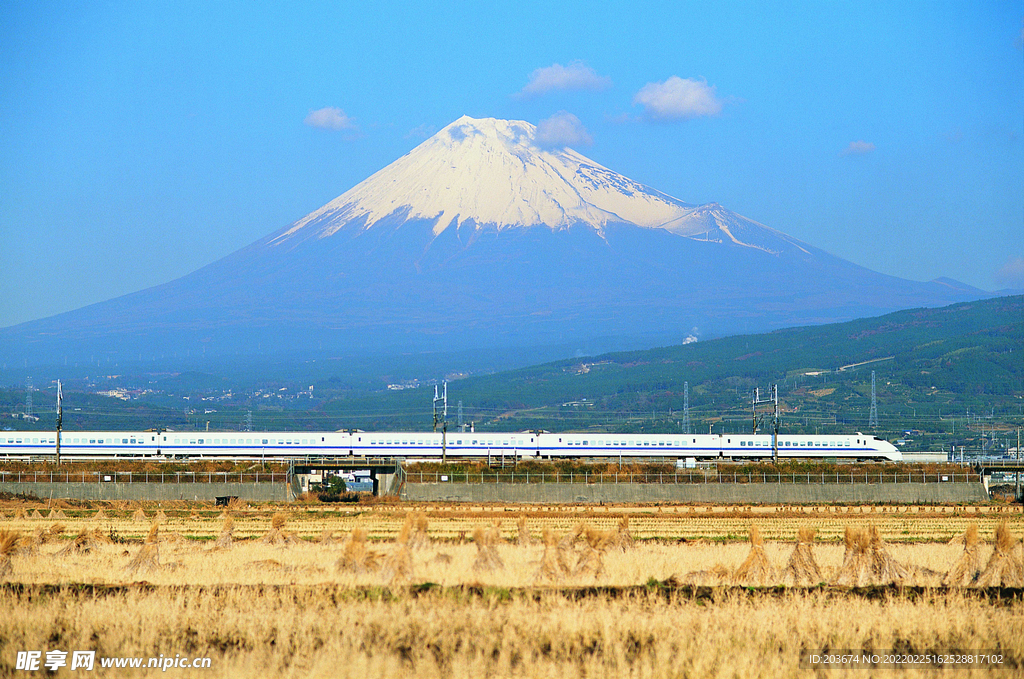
[482,237]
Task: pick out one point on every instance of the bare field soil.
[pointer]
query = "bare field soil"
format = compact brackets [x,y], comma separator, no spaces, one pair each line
[488,590]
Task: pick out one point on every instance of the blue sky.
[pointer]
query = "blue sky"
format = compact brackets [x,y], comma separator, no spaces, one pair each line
[140,141]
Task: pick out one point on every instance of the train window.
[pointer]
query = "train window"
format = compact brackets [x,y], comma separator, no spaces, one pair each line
[586,443]
[743,443]
[201,441]
[264,441]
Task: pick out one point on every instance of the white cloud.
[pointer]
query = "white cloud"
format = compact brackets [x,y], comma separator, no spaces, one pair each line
[561,130]
[858,148]
[330,118]
[1011,275]
[678,99]
[576,76]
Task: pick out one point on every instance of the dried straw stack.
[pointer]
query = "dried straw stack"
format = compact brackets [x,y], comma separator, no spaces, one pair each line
[802,569]
[523,537]
[550,568]
[487,557]
[1004,567]
[707,578]
[84,543]
[566,552]
[139,515]
[856,568]
[885,570]
[624,539]
[148,558]
[100,515]
[756,570]
[355,557]
[226,537]
[398,566]
[595,544]
[8,545]
[419,539]
[277,535]
[968,567]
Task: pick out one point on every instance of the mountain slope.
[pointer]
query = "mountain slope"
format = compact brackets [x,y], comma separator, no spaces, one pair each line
[479,237]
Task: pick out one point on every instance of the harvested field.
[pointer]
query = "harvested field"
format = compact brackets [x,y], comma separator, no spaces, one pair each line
[602,591]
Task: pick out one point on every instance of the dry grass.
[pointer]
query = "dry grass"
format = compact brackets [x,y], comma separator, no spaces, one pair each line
[320,600]
[326,631]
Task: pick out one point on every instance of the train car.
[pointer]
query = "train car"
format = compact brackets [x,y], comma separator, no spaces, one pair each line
[272,446]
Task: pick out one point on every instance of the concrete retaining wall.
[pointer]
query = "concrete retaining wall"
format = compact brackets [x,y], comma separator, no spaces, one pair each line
[738,493]
[261,492]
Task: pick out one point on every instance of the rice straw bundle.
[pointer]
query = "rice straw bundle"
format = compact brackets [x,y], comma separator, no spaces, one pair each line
[523,537]
[29,544]
[226,537]
[1004,567]
[487,557]
[624,539]
[802,569]
[566,552]
[36,514]
[139,515]
[355,557]
[148,558]
[885,570]
[84,543]
[968,567]
[856,568]
[405,534]
[419,538]
[708,578]
[8,545]
[160,516]
[19,513]
[756,570]
[100,516]
[595,544]
[397,567]
[277,535]
[550,564]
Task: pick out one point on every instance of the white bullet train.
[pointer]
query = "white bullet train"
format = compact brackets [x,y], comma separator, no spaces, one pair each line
[284,446]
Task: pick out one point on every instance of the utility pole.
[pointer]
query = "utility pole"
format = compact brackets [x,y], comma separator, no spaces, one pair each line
[443,420]
[1016,490]
[60,417]
[773,398]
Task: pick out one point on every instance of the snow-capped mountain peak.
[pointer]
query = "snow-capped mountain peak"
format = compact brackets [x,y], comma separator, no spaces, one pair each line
[493,174]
